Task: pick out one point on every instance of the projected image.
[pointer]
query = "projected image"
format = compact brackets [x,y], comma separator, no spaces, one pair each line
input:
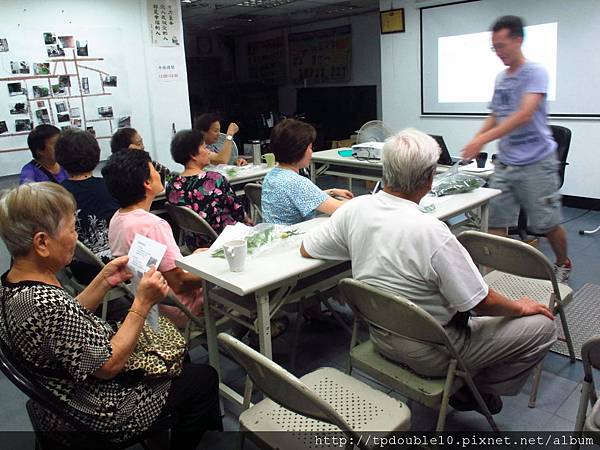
[467,67]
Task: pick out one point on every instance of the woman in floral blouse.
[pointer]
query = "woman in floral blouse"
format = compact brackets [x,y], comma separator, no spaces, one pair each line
[205,192]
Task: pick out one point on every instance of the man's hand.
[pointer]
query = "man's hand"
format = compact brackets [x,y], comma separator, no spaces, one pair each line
[116,271]
[530,307]
[472,149]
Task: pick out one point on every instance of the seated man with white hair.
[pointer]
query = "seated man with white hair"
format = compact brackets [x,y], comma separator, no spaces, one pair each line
[396,247]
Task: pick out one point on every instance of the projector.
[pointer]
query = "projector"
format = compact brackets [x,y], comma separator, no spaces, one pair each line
[371,150]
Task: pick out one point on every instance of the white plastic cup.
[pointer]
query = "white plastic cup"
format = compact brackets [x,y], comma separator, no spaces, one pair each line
[235,253]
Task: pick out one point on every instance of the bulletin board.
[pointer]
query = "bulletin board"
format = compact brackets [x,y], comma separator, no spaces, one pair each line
[323,56]
[267,61]
[66,79]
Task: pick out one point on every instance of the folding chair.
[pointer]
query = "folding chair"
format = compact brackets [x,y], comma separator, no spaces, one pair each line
[323,401]
[253,193]
[590,355]
[520,271]
[189,221]
[400,317]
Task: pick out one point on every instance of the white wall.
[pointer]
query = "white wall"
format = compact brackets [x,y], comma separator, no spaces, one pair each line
[366,63]
[401,105]
[155,105]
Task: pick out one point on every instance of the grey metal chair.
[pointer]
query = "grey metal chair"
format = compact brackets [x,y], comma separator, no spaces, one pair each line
[75,286]
[253,193]
[85,255]
[322,402]
[400,317]
[520,271]
[590,356]
[189,221]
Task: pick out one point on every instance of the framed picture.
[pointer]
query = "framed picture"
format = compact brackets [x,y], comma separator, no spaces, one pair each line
[204,45]
[392,21]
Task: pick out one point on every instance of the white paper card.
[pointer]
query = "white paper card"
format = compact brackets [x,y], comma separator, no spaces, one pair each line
[143,254]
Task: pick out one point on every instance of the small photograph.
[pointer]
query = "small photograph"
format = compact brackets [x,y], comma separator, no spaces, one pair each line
[40,103]
[66,41]
[85,85]
[109,80]
[19,108]
[41,68]
[42,116]
[61,107]
[23,125]
[82,48]
[105,111]
[91,130]
[74,112]
[3,127]
[64,81]
[40,91]
[3,48]
[54,51]
[124,122]
[19,67]
[15,89]
[49,38]
[63,117]
[76,123]
[58,90]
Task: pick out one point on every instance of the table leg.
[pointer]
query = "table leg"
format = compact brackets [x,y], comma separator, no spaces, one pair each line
[485,210]
[264,323]
[211,331]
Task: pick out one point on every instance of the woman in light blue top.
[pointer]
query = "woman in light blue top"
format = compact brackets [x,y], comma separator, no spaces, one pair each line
[288,197]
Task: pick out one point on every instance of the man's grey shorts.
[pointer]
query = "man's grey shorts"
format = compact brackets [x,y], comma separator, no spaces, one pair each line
[535,187]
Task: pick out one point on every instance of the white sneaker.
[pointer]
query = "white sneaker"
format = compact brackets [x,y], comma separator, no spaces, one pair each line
[562,272]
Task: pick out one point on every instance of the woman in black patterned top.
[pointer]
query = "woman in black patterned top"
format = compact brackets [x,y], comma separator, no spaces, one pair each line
[76,355]
[129,138]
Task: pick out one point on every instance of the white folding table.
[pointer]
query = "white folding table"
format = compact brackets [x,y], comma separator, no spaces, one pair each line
[272,275]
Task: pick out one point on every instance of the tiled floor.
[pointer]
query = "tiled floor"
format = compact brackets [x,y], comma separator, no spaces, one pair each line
[557,399]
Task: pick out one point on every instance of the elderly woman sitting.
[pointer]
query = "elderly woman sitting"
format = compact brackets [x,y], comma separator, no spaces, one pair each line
[220,146]
[134,182]
[288,197]
[74,354]
[130,139]
[207,193]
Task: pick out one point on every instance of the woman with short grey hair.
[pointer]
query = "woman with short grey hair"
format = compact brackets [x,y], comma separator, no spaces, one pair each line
[75,355]
[409,161]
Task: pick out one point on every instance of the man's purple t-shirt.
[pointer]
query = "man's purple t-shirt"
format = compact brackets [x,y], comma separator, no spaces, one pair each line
[30,174]
[532,141]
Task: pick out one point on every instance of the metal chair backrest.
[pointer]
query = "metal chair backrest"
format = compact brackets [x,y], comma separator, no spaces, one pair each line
[189,221]
[562,136]
[280,385]
[590,356]
[254,192]
[85,255]
[393,313]
[25,381]
[507,255]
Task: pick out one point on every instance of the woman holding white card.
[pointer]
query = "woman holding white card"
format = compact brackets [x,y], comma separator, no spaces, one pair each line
[75,355]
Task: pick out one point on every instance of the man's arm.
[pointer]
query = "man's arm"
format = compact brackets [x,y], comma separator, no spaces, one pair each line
[523,115]
[303,251]
[488,124]
[495,304]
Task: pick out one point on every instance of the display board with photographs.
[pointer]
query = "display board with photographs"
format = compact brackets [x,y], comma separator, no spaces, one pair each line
[75,79]
[322,56]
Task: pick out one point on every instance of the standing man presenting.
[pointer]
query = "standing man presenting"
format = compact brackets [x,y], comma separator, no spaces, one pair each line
[527,167]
